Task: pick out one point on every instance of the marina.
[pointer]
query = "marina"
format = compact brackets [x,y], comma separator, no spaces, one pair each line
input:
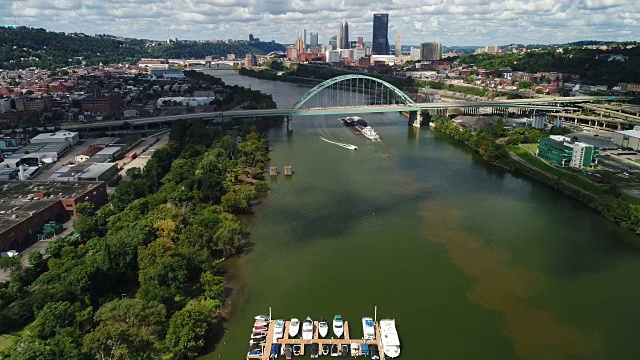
[274,339]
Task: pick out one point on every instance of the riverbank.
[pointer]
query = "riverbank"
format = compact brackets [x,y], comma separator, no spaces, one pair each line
[607,200]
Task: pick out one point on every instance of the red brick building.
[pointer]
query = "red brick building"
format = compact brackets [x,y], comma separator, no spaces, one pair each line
[26,206]
[98,103]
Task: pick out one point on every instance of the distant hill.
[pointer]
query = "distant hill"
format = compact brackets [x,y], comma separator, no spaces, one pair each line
[24,47]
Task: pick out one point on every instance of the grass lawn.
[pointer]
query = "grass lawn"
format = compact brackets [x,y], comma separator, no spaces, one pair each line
[571,178]
[6,340]
[531,147]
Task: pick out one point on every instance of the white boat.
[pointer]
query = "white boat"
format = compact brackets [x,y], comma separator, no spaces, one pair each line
[278,329]
[355,349]
[261,323]
[294,327]
[258,335]
[307,329]
[323,328]
[262,317]
[338,325]
[390,340]
[370,134]
[367,328]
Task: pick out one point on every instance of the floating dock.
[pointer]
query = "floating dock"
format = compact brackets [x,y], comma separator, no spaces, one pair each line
[288,170]
[273,171]
[344,340]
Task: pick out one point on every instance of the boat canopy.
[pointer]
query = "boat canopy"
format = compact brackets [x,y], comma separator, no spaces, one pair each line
[368,322]
[365,348]
[275,349]
[337,318]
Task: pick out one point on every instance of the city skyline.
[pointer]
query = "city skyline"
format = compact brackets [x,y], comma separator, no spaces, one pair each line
[457,22]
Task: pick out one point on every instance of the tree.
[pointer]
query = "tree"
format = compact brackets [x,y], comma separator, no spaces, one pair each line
[54,317]
[189,327]
[127,328]
[212,286]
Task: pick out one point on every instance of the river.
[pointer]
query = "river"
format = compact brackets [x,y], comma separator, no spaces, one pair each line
[471,261]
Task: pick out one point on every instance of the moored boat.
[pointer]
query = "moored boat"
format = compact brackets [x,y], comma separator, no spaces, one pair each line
[258,335]
[314,350]
[262,317]
[338,325]
[323,328]
[278,329]
[354,349]
[297,350]
[275,351]
[345,350]
[334,350]
[261,323]
[367,328]
[389,338]
[260,328]
[294,327]
[375,354]
[325,349]
[288,352]
[307,329]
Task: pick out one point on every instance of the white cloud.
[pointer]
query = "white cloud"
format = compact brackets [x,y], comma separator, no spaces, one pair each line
[452,22]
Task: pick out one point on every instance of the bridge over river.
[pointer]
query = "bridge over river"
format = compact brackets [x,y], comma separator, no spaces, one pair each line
[349,94]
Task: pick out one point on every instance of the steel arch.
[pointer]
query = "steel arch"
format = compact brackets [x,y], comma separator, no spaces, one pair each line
[316,89]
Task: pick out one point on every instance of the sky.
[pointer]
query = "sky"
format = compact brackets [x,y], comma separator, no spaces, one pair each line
[451,22]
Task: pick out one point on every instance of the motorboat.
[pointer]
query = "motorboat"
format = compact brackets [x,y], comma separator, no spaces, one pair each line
[323,328]
[254,353]
[370,134]
[355,349]
[375,354]
[257,341]
[258,335]
[364,349]
[297,350]
[334,350]
[260,328]
[261,323]
[294,327]
[314,350]
[307,329]
[325,349]
[278,329]
[275,351]
[345,350]
[338,325]
[367,328]
[262,317]
[288,352]
[389,338]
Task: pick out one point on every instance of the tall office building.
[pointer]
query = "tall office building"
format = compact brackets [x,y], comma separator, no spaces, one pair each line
[398,49]
[430,51]
[380,34]
[334,41]
[343,39]
[360,41]
[305,38]
[313,40]
[300,46]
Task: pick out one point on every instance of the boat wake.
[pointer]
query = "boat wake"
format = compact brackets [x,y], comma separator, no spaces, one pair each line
[344,145]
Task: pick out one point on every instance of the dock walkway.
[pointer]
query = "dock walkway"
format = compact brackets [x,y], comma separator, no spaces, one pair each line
[345,340]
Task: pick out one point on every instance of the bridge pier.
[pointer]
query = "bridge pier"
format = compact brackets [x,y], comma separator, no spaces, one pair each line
[415,118]
[289,123]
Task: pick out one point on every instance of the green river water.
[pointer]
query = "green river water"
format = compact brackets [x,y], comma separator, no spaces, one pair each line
[471,261]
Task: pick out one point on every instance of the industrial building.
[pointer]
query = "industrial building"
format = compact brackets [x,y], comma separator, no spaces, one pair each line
[61,136]
[86,171]
[559,150]
[25,207]
[627,139]
[107,154]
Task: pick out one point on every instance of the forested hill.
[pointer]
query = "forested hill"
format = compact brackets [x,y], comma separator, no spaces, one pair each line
[24,47]
[594,66]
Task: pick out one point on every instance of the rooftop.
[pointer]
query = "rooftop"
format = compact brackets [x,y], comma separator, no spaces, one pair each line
[632,133]
[18,202]
[56,135]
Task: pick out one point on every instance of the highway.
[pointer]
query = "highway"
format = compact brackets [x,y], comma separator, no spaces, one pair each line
[535,103]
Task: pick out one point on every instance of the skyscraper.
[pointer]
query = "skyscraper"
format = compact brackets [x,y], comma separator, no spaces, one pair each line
[343,39]
[430,51]
[300,46]
[313,40]
[398,51]
[381,34]
[334,42]
[305,38]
